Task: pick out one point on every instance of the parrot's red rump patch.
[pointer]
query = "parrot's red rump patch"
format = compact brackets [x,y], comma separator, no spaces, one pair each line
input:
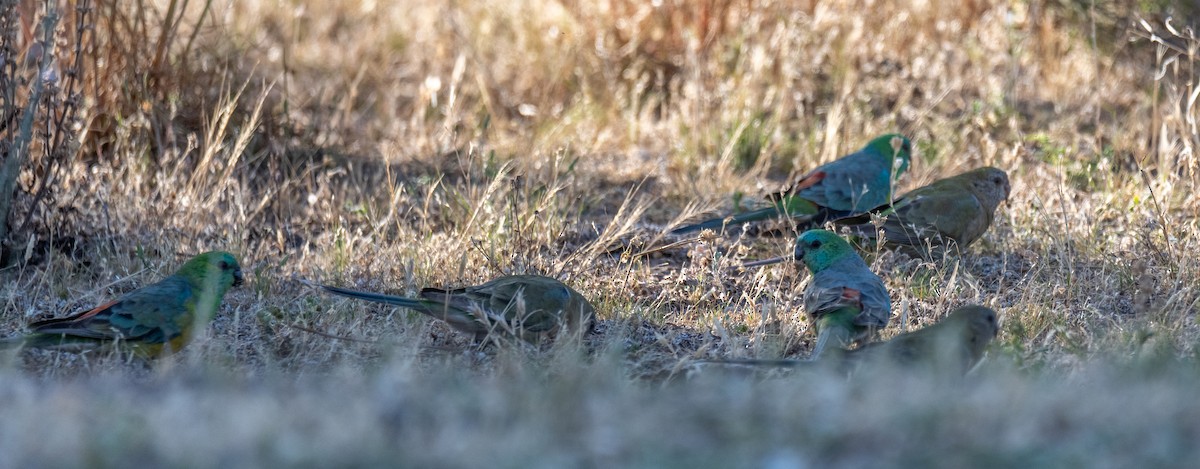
[95,311]
[851,294]
[810,180]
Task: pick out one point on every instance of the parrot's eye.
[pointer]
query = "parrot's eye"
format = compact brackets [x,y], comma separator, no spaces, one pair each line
[815,244]
[223,265]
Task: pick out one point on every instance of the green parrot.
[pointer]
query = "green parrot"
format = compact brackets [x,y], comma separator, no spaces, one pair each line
[957,210]
[154,320]
[844,187]
[845,300]
[954,344]
[527,306]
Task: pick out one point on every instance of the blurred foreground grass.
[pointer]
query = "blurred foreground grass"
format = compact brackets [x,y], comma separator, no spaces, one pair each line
[523,413]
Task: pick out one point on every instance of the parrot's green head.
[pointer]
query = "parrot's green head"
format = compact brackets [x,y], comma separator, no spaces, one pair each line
[818,249]
[895,147]
[213,269]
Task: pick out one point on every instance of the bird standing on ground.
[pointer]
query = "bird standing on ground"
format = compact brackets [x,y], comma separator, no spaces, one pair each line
[954,211]
[844,187]
[153,320]
[845,300]
[955,345]
[526,306]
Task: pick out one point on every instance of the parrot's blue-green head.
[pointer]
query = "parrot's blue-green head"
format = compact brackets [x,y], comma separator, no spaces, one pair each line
[217,269]
[897,148]
[818,249]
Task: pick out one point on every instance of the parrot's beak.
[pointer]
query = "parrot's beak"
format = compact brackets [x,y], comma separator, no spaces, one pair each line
[237,278]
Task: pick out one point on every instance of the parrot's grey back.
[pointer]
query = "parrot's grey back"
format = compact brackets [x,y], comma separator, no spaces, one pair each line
[852,272]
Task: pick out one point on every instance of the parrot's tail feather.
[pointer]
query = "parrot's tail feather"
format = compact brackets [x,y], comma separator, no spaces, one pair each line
[49,325]
[439,295]
[838,336]
[736,220]
[376,297]
[767,214]
[714,224]
[62,342]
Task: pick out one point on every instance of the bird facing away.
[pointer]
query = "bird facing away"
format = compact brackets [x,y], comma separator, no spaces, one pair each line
[525,306]
[153,320]
[847,186]
[954,211]
[953,345]
[845,300]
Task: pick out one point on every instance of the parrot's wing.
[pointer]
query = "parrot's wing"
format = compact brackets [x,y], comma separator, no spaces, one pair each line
[852,184]
[155,313]
[821,300]
[955,214]
[536,301]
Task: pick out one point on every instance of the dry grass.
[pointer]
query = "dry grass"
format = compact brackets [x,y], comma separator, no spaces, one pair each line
[393,145]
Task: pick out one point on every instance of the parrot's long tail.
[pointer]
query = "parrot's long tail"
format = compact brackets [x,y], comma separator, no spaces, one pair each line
[48,341]
[377,297]
[737,220]
[832,333]
[65,342]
